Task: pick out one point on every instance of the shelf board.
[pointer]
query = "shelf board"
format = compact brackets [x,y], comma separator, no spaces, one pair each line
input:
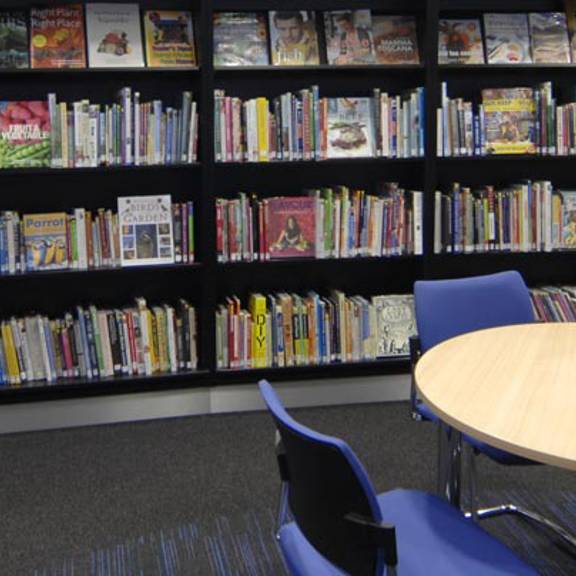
[566,253]
[503,158]
[459,68]
[357,260]
[80,387]
[321,68]
[328,162]
[95,170]
[84,71]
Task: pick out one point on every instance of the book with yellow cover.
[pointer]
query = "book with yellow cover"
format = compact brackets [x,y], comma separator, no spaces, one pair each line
[45,241]
[169,39]
[257,307]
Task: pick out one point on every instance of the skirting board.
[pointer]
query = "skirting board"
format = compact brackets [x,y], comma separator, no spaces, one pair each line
[178,403]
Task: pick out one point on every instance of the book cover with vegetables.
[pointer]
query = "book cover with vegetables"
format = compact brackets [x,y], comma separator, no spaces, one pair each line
[169,38]
[45,241]
[13,39]
[24,134]
[57,37]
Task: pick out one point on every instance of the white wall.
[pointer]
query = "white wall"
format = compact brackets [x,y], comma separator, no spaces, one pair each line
[219,399]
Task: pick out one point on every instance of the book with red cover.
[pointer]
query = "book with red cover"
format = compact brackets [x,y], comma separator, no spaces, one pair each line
[57,37]
[291,227]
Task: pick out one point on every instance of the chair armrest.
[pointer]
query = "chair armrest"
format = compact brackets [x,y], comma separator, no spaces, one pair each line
[379,535]
[415,353]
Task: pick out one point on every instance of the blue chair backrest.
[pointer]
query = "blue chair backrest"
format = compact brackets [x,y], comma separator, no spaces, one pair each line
[448,308]
[326,482]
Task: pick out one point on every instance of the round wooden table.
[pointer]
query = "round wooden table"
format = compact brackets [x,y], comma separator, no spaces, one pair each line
[513,387]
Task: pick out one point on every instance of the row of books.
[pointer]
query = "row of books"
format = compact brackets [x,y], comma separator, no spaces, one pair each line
[282,330]
[351,37]
[554,303]
[303,126]
[519,120]
[146,230]
[325,223]
[523,217]
[58,37]
[90,343]
[534,38]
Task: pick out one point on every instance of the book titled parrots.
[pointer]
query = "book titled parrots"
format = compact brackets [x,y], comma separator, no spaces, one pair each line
[45,241]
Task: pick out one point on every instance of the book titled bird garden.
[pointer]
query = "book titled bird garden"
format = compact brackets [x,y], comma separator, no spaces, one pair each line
[45,241]
[24,134]
[146,237]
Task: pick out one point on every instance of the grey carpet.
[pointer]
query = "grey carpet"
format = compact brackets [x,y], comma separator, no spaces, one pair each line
[197,496]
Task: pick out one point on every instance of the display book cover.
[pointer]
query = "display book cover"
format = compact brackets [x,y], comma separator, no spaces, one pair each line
[114,36]
[460,41]
[169,36]
[45,241]
[350,128]
[291,227]
[395,324]
[240,39]
[509,120]
[293,38]
[57,38]
[568,218]
[349,37]
[549,38]
[13,39]
[24,134]
[395,39]
[507,38]
[146,236]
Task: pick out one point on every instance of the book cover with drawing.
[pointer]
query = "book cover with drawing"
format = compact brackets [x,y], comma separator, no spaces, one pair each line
[507,38]
[24,134]
[395,39]
[570,7]
[568,219]
[291,227]
[114,36]
[45,241]
[57,38]
[395,323]
[349,37]
[549,38]
[460,41]
[350,130]
[146,236]
[13,39]
[169,38]
[293,38]
[240,39]
[509,117]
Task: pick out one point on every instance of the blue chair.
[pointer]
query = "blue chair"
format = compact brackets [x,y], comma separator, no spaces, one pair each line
[448,308]
[341,526]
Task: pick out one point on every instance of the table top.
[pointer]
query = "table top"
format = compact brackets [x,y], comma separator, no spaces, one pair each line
[513,387]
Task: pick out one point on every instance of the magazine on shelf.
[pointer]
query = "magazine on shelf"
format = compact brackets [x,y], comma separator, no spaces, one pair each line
[509,117]
[114,36]
[349,37]
[24,134]
[13,39]
[293,38]
[395,39]
[240,39]
[568,218]
[549,37]
[146,236]
[507,38]
[460,42]
[169,38]
[291,227]
[57,38]
[45,241]
[396,322]
[350,128]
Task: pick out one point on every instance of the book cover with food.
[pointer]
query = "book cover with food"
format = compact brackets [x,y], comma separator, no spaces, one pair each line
[549,37]
[509,116]
[460,42]
[291,227]
[146,236]
[45,241]
[507,38]
[114,36]
[350,130]
[169,38]
[57,38]
[293,38]
[240,39]
[13,39]
[24,134]
[395,39]
[349,37]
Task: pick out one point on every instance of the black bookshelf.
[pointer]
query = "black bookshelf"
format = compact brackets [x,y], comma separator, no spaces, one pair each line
[206,283]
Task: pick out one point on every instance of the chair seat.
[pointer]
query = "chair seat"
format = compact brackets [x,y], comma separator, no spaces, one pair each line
[433,539]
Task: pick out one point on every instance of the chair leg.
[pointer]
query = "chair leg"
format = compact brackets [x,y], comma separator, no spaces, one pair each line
[472,484]
[282,506]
